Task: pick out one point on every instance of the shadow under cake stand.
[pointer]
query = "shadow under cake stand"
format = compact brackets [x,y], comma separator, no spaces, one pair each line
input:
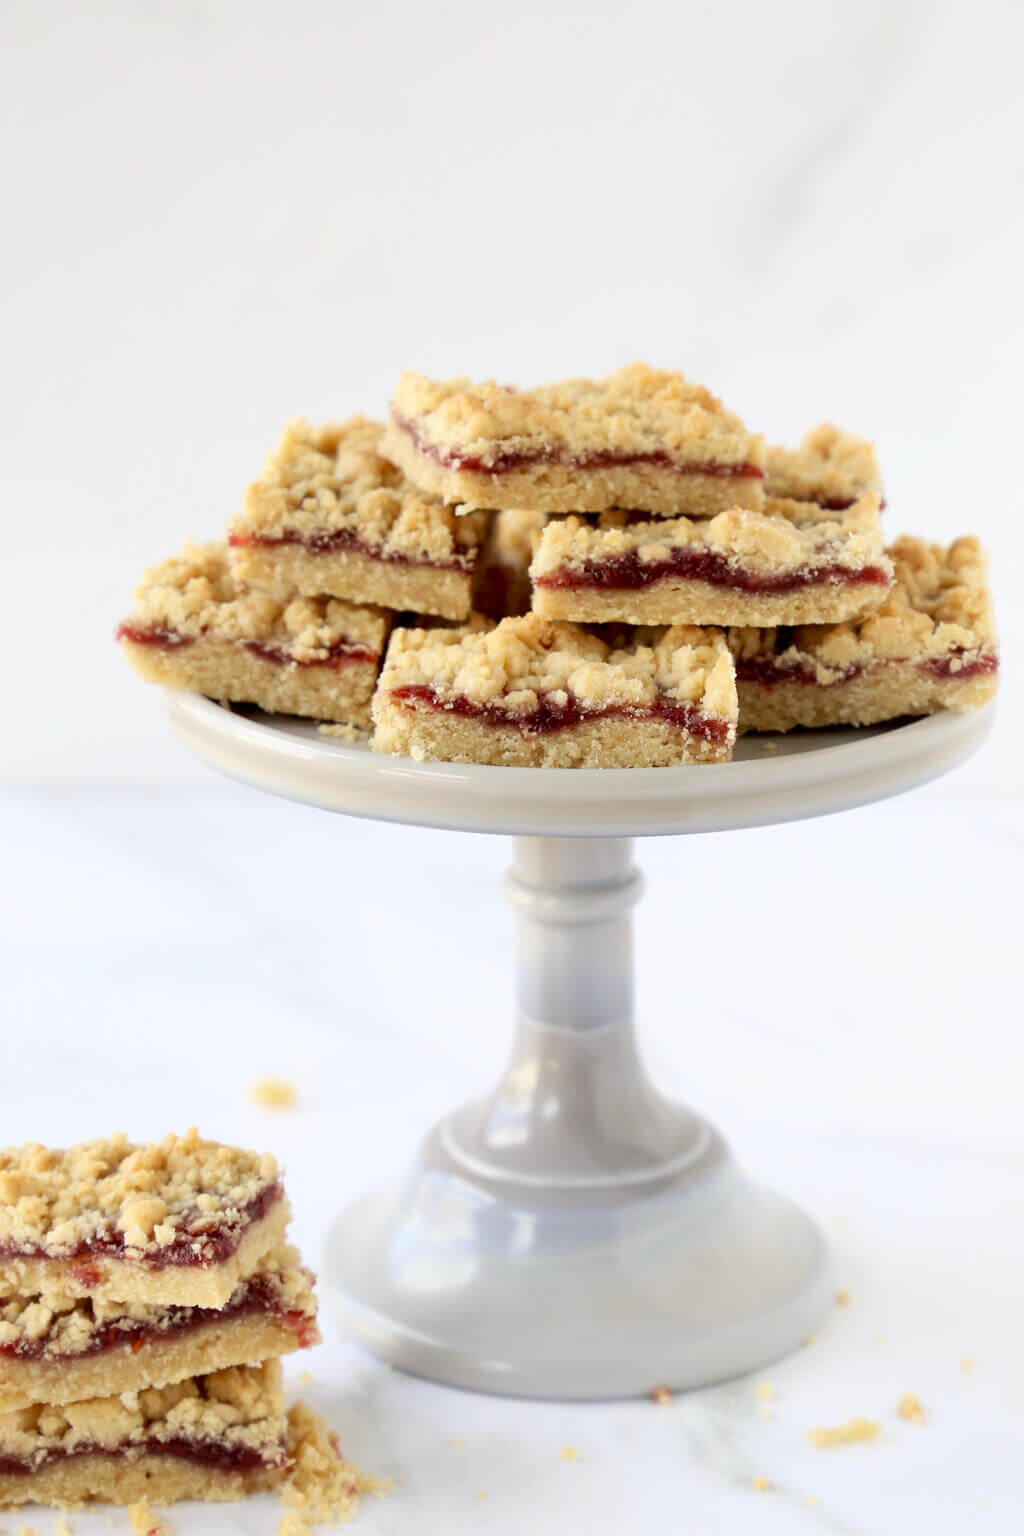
[574,1234]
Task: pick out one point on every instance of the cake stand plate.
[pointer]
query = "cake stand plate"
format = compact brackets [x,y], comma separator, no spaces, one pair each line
[573,1233]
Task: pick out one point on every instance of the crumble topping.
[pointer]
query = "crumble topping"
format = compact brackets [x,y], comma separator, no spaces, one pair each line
[194,595]
[66,1325]
[637,410]
[242,1406]
[787,535]
[522,659]
[334,479]
[939,604]
[831,467]
[55,1202]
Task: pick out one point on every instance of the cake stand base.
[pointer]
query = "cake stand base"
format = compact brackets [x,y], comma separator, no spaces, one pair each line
[575,1235]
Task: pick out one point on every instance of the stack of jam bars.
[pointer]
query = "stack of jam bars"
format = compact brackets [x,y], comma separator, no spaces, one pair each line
[146,1295]
[588,574]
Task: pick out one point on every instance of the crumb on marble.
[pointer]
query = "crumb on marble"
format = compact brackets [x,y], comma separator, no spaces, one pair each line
[880,1339]
[909,1407]
[761,1484]
[144,1521]
[61,1526]
[274,1093]
[968,1363]
[306,1378]
[812,1338]
[852,1432]
[843,1298]
[661,1395]
[765,1391]
[570,1453]
[456,1440]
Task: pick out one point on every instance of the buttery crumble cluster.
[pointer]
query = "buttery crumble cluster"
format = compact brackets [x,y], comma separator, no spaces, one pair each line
[521,660]
[787,535]
[333,479]
[240,1406]
[830,466]
[52,1202]
[194,595]
[636,410]
[67,1325]
[939,604]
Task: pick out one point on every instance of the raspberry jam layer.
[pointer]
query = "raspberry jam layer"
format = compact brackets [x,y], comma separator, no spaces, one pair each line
[505,461]
[342,540]
[259,1297]
[204,1242]
[337,655]
[551,714]
[629,573]
[768,671]
[219,1454]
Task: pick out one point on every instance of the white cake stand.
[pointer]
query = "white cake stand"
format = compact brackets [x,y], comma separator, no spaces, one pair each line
[573,1234]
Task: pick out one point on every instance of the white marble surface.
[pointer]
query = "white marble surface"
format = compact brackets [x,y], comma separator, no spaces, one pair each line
[841,996]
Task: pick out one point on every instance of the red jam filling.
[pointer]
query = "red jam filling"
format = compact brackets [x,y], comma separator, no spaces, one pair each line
[204,1242]
[337,655]
[258,1297]
[628,573]
[342,539]
[551,715]
[505,461]
[204,1453]
[768,671]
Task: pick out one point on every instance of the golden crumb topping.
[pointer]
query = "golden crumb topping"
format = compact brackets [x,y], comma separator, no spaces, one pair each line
[239,1408]
[320,1487]
[830,466]
[512,666]
[329,480]
[194,595]
[57,1325]
[787,536]
[638,410]
[55,1202]
[939,605]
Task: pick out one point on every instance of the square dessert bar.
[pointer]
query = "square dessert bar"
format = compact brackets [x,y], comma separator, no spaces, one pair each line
[533,694]
[63,1349]
[639,438]
[219,1436]
[176,1223]
[931,645]
[330,516]
[831,467]
[793,563]
[193,628]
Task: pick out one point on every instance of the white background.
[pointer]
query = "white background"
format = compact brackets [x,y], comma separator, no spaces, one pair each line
[216,215]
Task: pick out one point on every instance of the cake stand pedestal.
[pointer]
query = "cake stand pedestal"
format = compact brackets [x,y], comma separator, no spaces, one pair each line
[574,1234]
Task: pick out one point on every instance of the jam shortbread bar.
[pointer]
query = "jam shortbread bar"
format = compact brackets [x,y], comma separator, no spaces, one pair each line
[330,516]
[534,694]
[793,563]
[930,646]
[639,438]
[192,628]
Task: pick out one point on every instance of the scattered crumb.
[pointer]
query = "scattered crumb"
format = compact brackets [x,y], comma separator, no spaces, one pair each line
[843,1298]
[481,1495]
[345,732]
[850,1433]
[321,1487]
[27,1530]
[909,1407]
[967,1363]
[456,1440]
[661,1395]
[812,1498]
[761,1484]
[144,1522]
[880,1338]
[274,1093]
[306,1378]
[768,746]
[766,1413]
[61,1526]
[570,1453]
[810,1339]
[765,1391]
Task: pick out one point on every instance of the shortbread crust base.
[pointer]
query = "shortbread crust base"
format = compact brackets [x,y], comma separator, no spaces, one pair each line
[553,487]
[222,670]
[207,1347]
[118,1480]
[884,692]
[420,587]
[675,601]
[125,1280]
[615,742]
